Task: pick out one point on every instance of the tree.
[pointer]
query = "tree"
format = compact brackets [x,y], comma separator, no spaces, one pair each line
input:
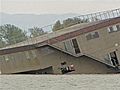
[35,31]
[11,34]
[68,22]
[2,43]
[57,26]
[77,20]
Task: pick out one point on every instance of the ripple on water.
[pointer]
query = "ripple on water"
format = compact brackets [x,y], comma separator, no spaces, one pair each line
[60,82]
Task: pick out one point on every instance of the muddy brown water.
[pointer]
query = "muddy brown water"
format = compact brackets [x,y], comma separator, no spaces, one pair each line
[60,82]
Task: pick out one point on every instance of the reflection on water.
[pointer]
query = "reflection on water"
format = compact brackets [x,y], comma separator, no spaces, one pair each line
[60,82]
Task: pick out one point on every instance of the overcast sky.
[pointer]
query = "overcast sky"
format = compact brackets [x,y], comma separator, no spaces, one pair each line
[56,6]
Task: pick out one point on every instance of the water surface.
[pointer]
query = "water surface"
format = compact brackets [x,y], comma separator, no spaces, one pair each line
[60,82]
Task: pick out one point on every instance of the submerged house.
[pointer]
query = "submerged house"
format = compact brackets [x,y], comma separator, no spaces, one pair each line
[90,48]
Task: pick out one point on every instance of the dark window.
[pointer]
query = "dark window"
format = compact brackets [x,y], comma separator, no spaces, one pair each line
[118,27]
[114,58]
[75,45]
[96,35]
[65,46]
[111,29]
[89,37]
[92,35]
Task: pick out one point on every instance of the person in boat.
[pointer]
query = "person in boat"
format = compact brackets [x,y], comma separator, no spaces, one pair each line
[64,67]
[72,67]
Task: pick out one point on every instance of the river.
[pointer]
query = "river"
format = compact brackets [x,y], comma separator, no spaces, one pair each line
[60,82]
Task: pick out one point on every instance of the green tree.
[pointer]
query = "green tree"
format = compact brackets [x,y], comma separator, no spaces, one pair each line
[35,31]
[68,22]
[2,43]
[11,34]
[1,40]
[76,20]
[57,26]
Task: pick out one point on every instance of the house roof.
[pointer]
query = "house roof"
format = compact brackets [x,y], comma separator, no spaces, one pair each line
[59,36]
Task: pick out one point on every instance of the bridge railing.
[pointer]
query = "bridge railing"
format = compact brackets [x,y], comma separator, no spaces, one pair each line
[49,28]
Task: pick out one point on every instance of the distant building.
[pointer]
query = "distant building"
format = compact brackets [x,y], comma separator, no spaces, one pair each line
[92,47]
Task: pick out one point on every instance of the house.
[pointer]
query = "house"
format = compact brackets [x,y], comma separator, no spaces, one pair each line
[92,47]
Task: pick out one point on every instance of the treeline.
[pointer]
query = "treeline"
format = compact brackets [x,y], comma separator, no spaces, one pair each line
[10,34]
[67,23]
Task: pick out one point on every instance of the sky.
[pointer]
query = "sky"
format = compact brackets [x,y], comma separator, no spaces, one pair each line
[56,6]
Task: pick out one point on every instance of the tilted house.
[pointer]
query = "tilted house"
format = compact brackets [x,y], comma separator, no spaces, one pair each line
[92,47]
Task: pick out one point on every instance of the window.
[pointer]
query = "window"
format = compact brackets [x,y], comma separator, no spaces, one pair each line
[114,28]
[107,59]
[118,27]
[114,58]
[110,29]
[89,37]
[92,35]
[75,45]
[68,46]
[96,35]
[65,46]
[72,46]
